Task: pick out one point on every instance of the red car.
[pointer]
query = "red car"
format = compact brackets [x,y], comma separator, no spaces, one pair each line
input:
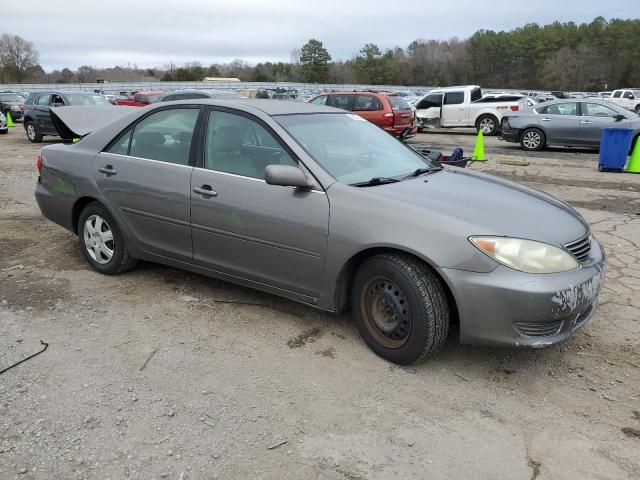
[388,111]
[142,99]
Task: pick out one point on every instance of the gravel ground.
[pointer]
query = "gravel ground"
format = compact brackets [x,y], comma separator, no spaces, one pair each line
[161,373]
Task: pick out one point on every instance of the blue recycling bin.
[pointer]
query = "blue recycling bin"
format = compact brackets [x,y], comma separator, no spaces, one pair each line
[614,149]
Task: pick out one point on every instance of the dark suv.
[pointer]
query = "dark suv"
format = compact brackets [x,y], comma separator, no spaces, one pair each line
[37,120]
[11,103]
[388,111]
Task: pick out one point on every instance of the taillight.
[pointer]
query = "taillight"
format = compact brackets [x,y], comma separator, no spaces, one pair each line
[39,163]
[515,108]
[389,118]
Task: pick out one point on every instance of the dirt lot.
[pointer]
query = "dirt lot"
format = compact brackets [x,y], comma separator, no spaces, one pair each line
[163,374]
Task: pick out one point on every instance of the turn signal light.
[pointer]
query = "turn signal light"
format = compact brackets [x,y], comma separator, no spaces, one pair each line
[389,118]
[39,163]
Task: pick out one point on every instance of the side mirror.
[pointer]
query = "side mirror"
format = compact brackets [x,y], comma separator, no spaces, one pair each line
[286,176]
[619,117]
[58,104]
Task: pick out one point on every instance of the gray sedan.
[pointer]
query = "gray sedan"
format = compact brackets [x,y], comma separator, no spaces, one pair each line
[569,123]
[318,205]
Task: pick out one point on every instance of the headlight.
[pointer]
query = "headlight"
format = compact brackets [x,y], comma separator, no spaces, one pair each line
[15,108]
[526,255]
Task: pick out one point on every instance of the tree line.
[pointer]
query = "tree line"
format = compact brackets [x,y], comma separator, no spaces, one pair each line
[560,56]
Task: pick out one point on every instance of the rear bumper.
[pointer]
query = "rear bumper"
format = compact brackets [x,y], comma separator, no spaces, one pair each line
[55,206]
[510,135]
[514,309]
[410,130]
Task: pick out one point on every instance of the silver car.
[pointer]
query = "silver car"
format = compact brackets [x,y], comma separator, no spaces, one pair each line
[320,206]
[568,123]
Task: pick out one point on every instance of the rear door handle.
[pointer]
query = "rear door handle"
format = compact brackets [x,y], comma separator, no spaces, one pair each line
[545,119]
[206,191]
[108,170]
[585,121]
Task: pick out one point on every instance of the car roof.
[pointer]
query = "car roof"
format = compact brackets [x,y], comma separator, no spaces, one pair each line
[267,106]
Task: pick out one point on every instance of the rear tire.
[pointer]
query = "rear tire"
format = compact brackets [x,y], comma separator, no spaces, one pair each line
[532,140]
[33,134]
[637,109]
[102,242]
[488,124]
[400,308]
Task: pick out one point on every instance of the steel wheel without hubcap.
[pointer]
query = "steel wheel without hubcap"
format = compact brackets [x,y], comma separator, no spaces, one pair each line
[98,239]
[31,132]
[386,312]
[487,125]
[531,140]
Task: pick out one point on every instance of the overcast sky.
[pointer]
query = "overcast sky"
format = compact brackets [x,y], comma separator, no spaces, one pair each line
[71,33]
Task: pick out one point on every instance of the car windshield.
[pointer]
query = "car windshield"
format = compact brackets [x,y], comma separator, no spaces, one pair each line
[636,93]
[83,99]
[351,149]
[10,97]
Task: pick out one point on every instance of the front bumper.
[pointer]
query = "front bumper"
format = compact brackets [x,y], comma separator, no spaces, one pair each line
[515,309]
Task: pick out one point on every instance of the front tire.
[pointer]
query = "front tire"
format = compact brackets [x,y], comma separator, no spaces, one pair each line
[33,134]
[532,139]
[400,307]
[487,124]
[102,242]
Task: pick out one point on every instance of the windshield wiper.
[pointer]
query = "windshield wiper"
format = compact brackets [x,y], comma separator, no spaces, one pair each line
[375,181]
[422,171]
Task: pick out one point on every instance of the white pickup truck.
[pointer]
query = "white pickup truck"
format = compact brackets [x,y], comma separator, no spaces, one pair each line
[627,98]
[464,107]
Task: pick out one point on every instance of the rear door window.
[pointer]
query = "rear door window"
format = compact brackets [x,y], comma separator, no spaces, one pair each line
[398,103]
[453,98]
[617,94]
[345,102]
[165,135]
[366,103]
[567,109]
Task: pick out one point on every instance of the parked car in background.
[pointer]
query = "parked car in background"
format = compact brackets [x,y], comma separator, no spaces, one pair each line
[509,97]
[388,111]
[11,103]
[575,123]
[37,119]
[141,99]
[3,124]
[195,94]
[316,205]
[281,96]
[464,107]
[627,98]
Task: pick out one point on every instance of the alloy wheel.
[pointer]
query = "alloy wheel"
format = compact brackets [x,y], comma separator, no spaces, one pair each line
[98,239]
[31,132]
[531,140]
[487,125]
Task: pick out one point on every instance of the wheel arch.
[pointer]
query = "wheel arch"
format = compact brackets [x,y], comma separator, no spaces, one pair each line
[348,270]
[78,206]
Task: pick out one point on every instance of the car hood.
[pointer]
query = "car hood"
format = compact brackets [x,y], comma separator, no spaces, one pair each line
[490,205]
[11,104]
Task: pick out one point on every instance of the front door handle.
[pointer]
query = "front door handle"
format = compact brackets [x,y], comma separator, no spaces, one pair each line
[108,170]
[585,121]
[545,119]
[206,191]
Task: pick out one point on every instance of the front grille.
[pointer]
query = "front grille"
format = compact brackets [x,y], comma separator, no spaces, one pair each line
[580,248]
[535,329]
